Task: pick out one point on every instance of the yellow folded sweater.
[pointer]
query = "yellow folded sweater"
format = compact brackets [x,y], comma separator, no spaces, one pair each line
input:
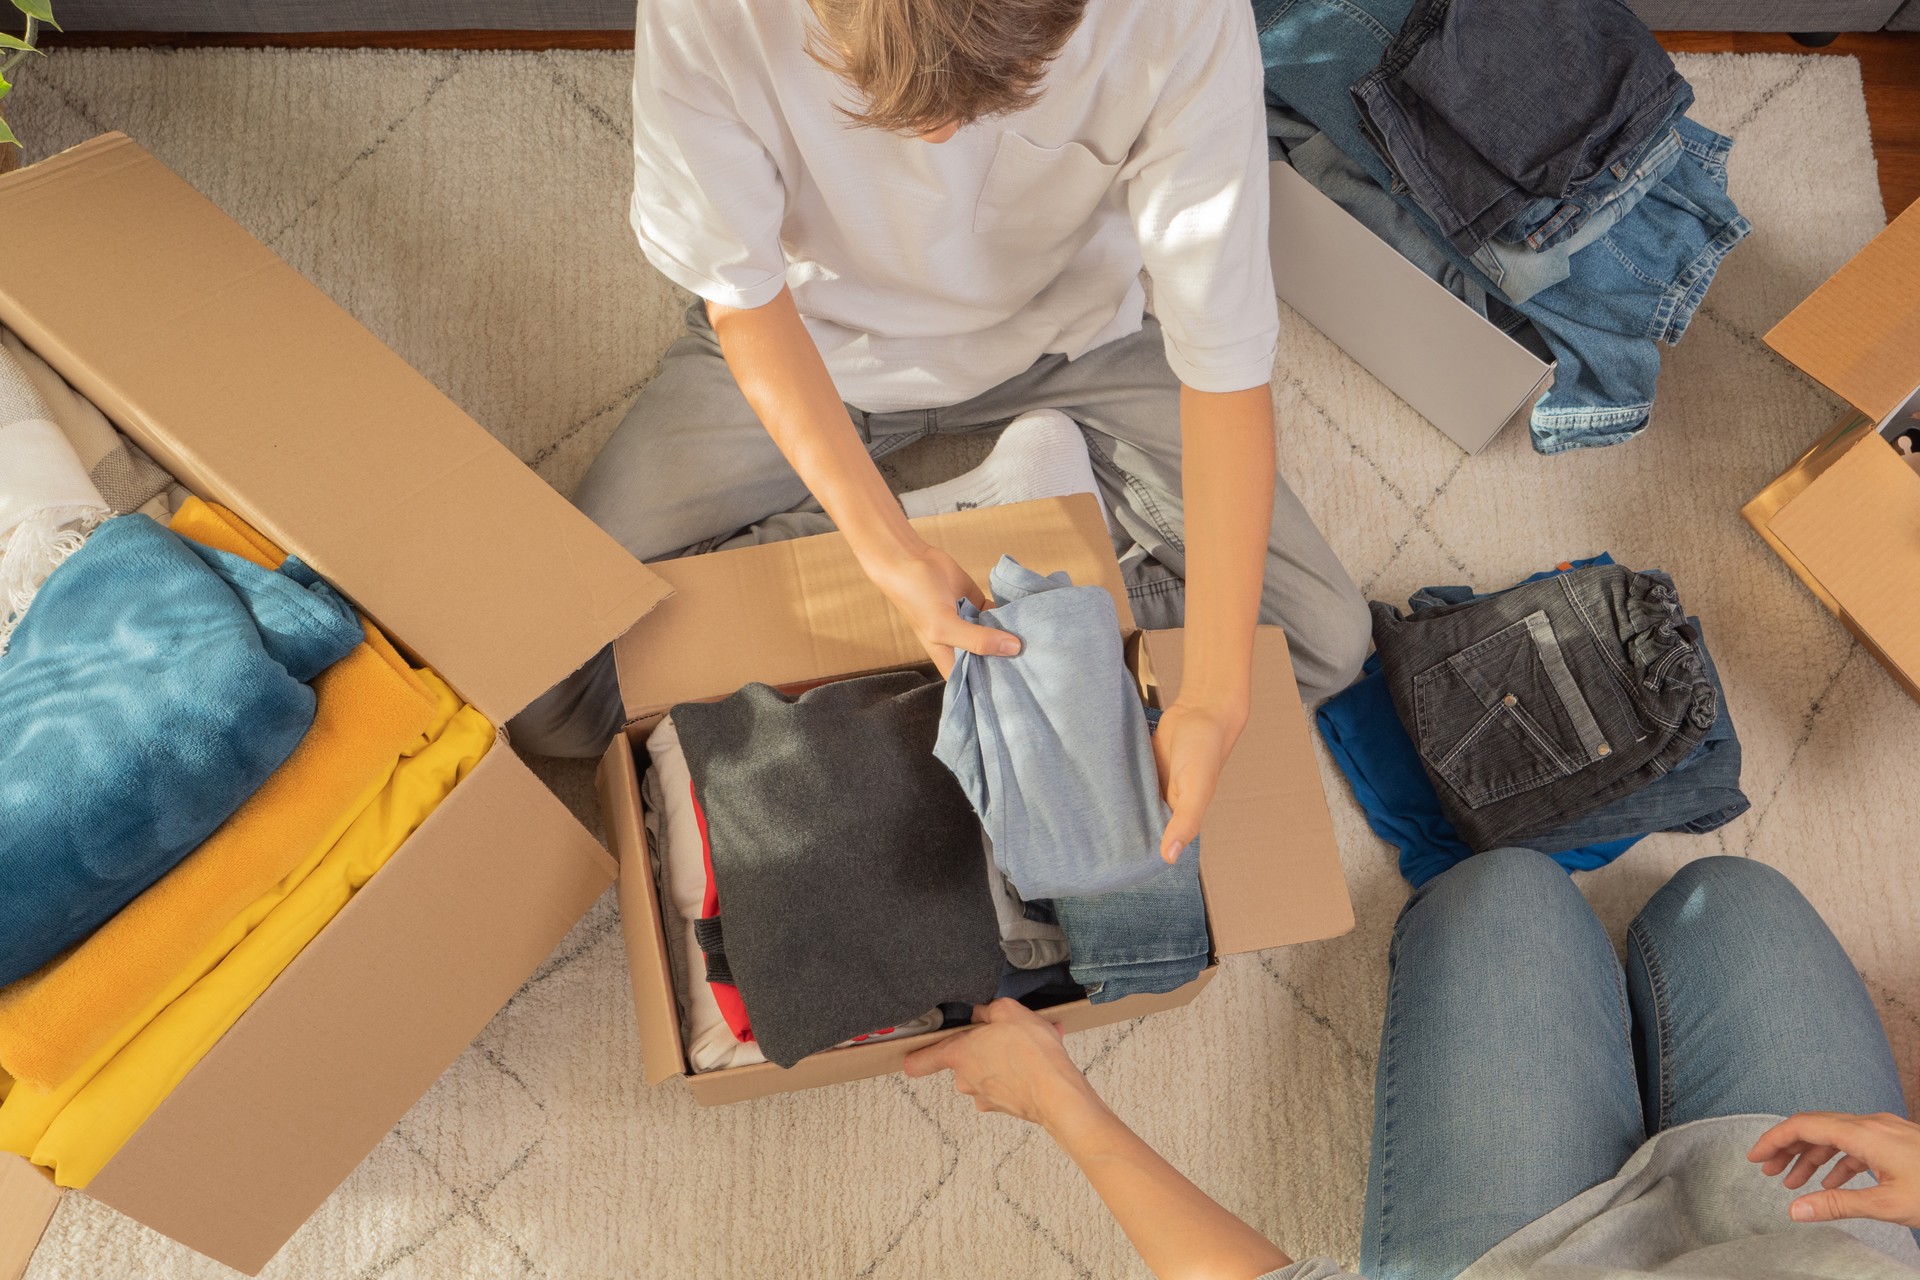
[369,708]
[77,1126]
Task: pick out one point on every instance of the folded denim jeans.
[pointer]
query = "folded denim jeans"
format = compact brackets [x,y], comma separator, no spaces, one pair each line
[1540,705]
[1364,736]
[1481,106]
[1532,254]
[1051,744]
[1537,251]
[1143,940]
[1700,794]
[1635,286]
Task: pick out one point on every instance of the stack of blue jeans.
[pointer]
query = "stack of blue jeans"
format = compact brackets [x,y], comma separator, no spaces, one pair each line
[1372,747]
[1568,195]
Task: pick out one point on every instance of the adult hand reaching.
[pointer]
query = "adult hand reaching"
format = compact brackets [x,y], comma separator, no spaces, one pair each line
[924,585]
[1884,1145]
[1011,1060]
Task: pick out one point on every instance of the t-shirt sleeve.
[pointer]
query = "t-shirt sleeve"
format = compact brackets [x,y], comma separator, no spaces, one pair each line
[1196,185]
[707,197]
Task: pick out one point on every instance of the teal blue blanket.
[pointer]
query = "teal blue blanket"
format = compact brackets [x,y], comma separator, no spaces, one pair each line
[152,687]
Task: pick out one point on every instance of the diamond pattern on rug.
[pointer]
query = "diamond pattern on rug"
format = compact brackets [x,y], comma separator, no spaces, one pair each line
[470,209]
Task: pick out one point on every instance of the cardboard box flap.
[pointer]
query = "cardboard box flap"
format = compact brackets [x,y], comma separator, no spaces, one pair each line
[1269,864]
[256,390]
[1859,333]
[1856,529]
[363,1021]
[656,1003]
[1431,349]
[27,1201]
[786,612]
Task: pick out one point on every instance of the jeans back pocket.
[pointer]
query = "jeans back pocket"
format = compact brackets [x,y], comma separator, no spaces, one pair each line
[1504,715]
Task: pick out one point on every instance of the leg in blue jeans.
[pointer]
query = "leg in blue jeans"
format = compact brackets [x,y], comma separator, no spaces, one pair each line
[1744,1002]
[1506,1080]
[1507,1085]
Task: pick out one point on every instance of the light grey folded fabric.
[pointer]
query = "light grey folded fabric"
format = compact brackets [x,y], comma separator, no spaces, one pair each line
[1028,944]
[1051,745]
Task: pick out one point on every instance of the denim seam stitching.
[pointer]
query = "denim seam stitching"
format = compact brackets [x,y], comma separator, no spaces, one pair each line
[1493,794]
[1532,728]
[1388,1091]
[1586,620]
[1657,981]
[1606,651]
[1149,505]
[1704,270]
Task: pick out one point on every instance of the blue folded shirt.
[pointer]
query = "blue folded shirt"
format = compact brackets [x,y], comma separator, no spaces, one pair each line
[151,689]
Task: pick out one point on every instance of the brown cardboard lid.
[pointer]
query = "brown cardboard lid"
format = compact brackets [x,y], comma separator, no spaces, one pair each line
[1269,863]
[1859,333]
[787,612]
[363,1021]
[258,391]
[27,1201]
[1856,530]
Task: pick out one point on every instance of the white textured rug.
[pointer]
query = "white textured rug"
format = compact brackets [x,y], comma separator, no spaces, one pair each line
[471,210]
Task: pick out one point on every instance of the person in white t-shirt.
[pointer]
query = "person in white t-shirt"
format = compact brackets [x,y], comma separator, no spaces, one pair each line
[911,217]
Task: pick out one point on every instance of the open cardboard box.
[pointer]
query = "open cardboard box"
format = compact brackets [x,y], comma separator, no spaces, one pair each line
[1846,515]
[258,392]
[800,612]
[1446,360]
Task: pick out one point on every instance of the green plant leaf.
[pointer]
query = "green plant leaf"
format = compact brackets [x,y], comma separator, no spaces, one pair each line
[15,42]
[6,87]
[41,9]
[6,135]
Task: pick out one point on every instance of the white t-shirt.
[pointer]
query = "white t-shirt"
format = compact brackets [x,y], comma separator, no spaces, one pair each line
[928,273]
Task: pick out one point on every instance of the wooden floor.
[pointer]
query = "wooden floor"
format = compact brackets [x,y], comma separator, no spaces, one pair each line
[1889,66]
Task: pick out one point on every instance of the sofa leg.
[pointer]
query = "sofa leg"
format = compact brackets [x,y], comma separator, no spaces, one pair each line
[1814,39]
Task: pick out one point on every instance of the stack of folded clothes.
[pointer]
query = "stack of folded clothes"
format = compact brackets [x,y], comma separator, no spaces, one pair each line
[1535,157]
[204,753]
[831,884]
[1574,713]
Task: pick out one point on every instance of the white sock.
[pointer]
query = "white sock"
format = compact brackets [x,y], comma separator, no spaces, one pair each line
[1040,455]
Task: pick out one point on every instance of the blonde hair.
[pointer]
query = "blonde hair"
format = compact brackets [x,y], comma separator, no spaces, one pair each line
[922,64]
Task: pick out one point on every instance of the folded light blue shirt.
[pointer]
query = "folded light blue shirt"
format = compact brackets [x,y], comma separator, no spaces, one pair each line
[1051,745]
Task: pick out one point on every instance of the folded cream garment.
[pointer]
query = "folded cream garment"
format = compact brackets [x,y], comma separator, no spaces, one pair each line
[127,479]
[48,506]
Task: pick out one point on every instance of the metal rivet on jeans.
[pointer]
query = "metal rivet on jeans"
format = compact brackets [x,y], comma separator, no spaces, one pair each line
[1509,700]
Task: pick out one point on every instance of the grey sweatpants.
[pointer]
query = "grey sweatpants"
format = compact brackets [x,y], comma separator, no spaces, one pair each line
[692,470]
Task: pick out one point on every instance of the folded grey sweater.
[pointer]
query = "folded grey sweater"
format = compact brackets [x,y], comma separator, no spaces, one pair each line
[853,894]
